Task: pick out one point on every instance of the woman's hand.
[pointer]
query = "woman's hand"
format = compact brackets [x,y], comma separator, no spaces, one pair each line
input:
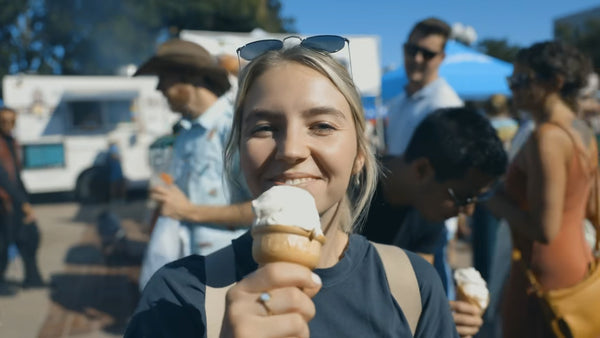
[467,318]
[286,313]
[173,202]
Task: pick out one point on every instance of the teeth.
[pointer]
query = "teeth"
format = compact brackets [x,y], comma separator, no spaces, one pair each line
[297,181]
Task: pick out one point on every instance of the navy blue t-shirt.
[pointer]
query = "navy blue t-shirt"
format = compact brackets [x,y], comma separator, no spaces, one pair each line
[355,300]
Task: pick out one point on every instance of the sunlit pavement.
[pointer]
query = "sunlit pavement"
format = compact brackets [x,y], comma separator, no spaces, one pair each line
[90,294]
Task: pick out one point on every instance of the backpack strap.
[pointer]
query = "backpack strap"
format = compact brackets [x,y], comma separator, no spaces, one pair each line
[220,275]
[402,281]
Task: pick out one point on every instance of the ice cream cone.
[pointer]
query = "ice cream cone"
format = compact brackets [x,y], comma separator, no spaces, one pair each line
[287,227]
[462,295]
[282,243]
[471,288]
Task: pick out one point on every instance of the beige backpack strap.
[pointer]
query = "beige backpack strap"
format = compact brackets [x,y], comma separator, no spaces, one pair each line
[402,282]
[220,276]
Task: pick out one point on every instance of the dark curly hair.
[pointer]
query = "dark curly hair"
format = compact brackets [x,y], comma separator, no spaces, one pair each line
[455,140]
[550,59]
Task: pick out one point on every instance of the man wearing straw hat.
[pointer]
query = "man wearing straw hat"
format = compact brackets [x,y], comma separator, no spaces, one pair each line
[195,86]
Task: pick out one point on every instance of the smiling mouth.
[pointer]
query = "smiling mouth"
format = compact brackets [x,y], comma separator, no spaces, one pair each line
[295,181]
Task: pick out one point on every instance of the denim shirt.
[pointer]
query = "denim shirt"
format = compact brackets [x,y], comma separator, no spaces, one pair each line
[197,165]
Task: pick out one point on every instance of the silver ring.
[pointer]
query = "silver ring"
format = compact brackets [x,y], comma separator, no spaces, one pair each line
[263,299]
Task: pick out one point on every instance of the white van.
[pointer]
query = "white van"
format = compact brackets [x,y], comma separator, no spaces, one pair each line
[66,123]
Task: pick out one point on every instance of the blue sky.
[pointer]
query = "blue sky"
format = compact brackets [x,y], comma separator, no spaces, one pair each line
[521,22]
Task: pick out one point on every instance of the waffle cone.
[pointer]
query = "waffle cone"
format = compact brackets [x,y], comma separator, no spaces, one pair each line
[463,296]
[283,243]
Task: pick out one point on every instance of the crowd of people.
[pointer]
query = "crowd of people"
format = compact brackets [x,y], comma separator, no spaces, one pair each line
[521,182]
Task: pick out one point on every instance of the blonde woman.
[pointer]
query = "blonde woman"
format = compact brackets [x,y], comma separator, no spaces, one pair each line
[298,120]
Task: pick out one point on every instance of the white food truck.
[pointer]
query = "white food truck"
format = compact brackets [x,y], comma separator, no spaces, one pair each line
[66,124]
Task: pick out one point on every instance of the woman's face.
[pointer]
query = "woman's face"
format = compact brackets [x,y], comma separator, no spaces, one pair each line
[297,129]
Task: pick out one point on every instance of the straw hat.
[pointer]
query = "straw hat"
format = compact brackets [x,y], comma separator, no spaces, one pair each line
[189,58]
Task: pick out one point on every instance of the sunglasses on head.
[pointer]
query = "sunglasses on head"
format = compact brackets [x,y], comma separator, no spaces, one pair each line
[518,80]
[320,43]
[412,50]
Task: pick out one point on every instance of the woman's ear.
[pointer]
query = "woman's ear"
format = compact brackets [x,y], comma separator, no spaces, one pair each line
[359,163]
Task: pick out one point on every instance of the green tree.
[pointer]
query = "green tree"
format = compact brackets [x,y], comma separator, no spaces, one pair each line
[585,36]
[96,37]
[499,48]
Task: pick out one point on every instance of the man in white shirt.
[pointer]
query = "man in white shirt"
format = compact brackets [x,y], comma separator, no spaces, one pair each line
[426,90]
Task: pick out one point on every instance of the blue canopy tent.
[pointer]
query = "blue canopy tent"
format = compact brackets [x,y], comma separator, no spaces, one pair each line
[472,74]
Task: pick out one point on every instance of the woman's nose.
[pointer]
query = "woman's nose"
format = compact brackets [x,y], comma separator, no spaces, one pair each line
[292,146]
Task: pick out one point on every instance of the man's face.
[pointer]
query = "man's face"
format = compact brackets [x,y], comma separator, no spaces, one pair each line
[422,57]
[442,200]
[7,122]
[176,91]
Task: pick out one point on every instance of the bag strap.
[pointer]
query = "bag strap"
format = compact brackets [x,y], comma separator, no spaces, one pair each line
[220,275]
[402,281]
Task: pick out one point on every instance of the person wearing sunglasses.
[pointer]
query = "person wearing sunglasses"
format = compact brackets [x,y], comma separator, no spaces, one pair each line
[546,189]
[425,92]
[451,163]
[298,121]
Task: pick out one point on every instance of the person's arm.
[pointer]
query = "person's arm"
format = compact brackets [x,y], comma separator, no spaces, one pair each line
[175,204]
[545,163]
[17,195]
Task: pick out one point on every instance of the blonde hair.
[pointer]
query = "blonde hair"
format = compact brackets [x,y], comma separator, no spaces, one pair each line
[362,185]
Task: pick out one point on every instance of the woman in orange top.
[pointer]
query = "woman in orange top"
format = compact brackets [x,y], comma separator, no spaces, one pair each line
[547,184]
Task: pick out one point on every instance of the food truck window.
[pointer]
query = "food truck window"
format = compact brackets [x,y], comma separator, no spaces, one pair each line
[86,114]
[37,156]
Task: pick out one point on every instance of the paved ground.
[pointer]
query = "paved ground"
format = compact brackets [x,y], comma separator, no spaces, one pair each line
[91,294]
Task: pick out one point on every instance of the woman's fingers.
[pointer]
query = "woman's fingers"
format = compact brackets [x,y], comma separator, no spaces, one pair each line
[281,274]
[273,301]
[286,325]
[286,300]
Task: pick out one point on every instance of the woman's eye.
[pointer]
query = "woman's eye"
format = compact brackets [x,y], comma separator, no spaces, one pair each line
[323,128]
[261,129]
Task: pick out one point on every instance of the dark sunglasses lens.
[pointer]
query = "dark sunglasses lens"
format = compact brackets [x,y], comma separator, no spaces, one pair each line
[412,51]
[258,48]
[326,43]
[427,54]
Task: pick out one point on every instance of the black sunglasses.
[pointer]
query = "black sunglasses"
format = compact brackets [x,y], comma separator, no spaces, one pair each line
[519,80]
[461,202]
[412,50]
[320,43]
